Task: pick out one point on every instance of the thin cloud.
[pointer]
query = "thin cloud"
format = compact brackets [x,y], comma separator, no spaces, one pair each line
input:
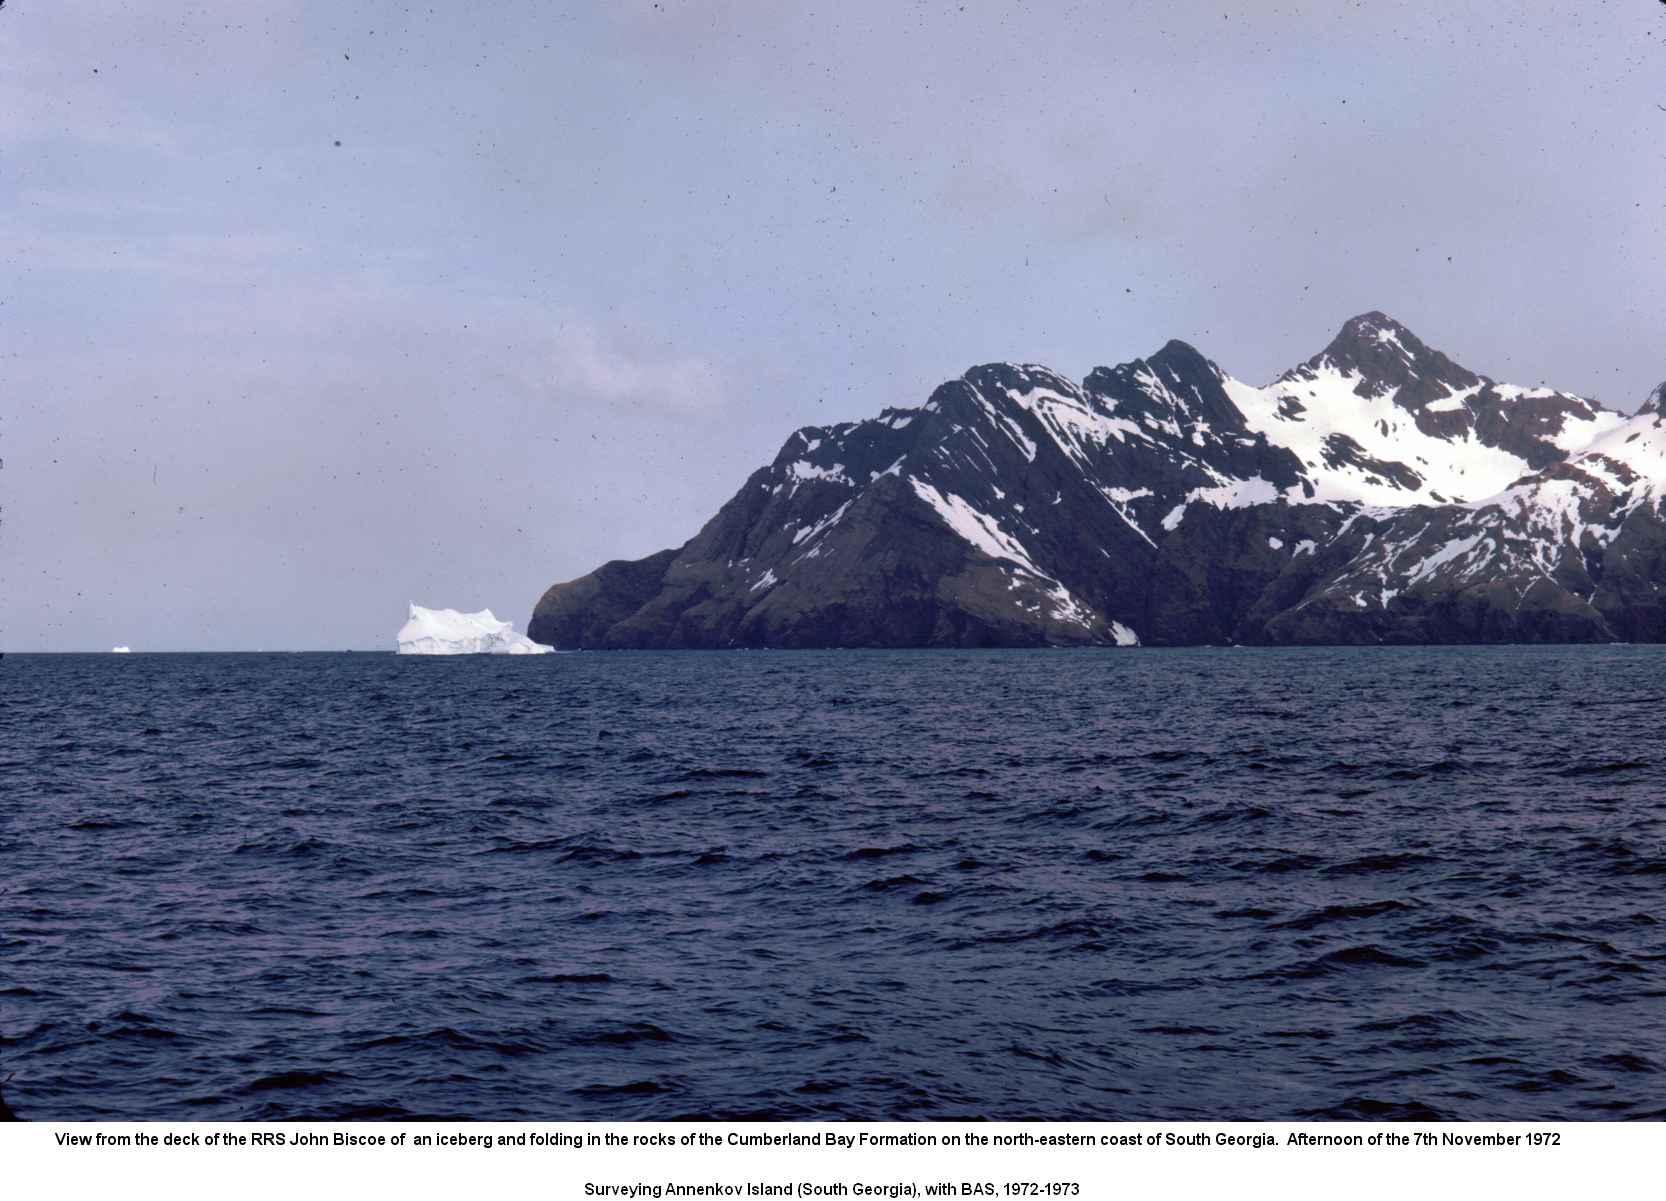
[585,365]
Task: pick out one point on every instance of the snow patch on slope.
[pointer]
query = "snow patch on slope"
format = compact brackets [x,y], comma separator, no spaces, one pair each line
[800,472]
[976,528]
[984,533]
[806,533]
[1456,469]
[1074,422]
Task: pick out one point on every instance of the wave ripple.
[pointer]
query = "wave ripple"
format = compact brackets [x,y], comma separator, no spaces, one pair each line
[1346,884]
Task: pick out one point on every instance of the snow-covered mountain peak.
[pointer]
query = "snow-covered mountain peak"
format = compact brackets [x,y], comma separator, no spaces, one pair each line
[1381,418]
[1381,357]
[1378,492]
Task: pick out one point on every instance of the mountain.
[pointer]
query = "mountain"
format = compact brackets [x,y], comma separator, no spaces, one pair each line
[1378,492]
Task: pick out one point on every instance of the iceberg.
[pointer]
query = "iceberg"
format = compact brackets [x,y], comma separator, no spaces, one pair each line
[448,632]
[121,650]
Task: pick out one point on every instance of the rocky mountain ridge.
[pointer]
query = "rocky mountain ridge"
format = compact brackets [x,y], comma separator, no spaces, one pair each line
[1378,492]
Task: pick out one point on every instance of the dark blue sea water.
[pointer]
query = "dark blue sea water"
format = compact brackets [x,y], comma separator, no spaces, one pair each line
[1199,884]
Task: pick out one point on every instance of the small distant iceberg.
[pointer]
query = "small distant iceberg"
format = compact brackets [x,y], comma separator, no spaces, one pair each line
[121,650]
[448,632]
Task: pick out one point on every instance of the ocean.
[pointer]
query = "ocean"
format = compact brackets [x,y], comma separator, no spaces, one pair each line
[1208,884]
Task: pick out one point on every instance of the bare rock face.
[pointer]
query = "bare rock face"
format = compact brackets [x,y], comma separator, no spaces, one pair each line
[1379,492]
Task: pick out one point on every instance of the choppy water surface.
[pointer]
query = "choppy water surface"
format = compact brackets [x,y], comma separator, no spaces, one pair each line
[1155,884]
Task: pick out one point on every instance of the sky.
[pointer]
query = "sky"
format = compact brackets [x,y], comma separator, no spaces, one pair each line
[311,309]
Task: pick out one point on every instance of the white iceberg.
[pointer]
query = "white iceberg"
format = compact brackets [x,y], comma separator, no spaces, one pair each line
[448,632]
[121,650]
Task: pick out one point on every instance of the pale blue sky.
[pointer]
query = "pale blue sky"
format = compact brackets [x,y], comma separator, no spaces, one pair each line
[574,270]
